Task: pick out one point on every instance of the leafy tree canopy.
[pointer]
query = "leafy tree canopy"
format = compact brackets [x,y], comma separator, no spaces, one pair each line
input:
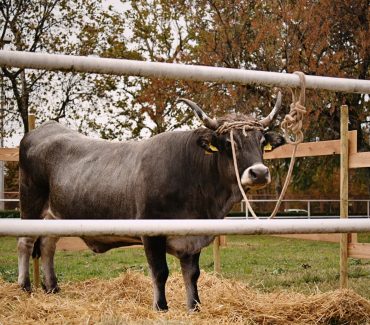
[329,38]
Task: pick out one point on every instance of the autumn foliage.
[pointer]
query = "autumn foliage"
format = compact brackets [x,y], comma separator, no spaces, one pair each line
[327,38]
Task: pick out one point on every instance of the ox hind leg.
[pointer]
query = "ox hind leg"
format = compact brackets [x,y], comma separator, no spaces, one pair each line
[32,203]
[25,248]
[155,251]
[190,272]
[47,247]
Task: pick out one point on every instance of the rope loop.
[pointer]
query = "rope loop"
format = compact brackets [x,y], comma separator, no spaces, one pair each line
[292,127]
[292,123]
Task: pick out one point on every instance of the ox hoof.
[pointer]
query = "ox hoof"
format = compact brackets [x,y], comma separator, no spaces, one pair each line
[25,285]
[26,288]
[55,289]
[161,308]
[195,309]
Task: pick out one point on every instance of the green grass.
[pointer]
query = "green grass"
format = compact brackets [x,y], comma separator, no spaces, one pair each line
[263,262]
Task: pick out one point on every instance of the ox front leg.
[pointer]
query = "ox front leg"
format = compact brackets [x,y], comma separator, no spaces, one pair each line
[155,251]
[25,247]
[190,272]
[48,246]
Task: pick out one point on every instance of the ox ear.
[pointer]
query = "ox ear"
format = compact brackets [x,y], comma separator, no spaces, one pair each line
[274,140]
[207,142]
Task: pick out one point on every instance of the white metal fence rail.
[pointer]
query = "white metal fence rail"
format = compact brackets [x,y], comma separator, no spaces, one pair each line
[17,227]
[175,71]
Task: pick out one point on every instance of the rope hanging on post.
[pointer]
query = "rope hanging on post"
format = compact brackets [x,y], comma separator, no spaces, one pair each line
[292,124]
[292,127]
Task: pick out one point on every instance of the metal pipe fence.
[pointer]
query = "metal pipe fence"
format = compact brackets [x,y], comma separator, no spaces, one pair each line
[175,71]
[309,205]
[181,227]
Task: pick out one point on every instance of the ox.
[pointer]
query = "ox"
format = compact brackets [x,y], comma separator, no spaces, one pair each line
[65,175]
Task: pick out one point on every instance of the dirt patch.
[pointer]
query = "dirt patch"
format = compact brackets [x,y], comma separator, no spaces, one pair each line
[71,244]
[77,244]
[128,300]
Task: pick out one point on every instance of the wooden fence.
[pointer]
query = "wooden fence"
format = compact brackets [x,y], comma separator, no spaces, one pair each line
[307,149]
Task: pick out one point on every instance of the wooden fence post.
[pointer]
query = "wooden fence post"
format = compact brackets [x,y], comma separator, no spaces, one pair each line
[344,194]
[31,121]
[223,240]
[36,261]
[216,255]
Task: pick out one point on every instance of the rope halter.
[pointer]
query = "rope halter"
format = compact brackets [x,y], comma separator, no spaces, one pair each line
[291,125]
[241,125]
[244,126]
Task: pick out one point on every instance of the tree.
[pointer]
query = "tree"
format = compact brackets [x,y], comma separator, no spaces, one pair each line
[279,35]
[158,33]
[79,28]
[285,36]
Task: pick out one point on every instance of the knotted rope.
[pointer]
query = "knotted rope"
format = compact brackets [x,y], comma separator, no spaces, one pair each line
[292,124]
[292,127]
[241,125]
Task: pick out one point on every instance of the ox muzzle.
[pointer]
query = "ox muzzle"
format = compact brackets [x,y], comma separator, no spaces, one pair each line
[256,176]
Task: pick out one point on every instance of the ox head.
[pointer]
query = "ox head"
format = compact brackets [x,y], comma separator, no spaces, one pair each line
[250,138]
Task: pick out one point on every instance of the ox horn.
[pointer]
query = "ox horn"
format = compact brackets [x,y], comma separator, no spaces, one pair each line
[207,121]
[268,119]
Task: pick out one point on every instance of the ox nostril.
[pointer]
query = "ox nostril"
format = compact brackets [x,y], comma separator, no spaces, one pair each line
[252,174]
[259,173]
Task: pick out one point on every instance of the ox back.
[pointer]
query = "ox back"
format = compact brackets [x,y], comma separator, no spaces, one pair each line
[66,175]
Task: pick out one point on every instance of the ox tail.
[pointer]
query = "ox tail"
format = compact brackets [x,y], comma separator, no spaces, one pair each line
[36,253]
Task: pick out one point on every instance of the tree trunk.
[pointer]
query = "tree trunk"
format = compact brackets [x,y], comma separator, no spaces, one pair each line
[25,96]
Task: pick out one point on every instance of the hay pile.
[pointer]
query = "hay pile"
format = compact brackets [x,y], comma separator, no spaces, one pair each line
[128,300]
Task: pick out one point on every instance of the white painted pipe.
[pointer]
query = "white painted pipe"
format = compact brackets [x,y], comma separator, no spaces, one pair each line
[175,71]
[18,227]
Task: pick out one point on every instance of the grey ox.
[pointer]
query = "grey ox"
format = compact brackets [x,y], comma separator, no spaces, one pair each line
[65,175]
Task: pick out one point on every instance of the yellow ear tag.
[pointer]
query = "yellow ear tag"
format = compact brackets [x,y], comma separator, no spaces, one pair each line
[267,147]
[211,148]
